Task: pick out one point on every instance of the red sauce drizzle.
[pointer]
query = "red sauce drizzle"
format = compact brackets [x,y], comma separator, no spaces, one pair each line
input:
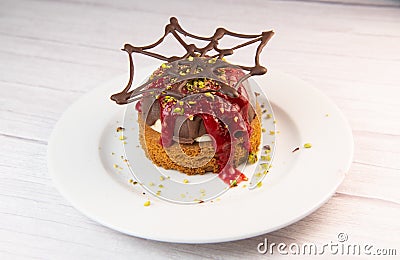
[225,118]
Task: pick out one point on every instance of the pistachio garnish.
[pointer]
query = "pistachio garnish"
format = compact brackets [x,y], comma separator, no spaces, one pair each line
[252,158]
[208,94]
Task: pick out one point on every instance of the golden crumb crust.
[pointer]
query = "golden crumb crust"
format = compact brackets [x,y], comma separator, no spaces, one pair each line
[197,158]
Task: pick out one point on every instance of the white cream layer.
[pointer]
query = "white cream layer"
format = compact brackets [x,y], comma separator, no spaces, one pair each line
[203,138]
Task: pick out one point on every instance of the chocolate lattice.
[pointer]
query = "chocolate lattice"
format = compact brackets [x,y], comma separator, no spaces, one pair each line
[195,61]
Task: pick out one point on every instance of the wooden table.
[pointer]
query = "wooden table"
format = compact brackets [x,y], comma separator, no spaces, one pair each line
[53,52]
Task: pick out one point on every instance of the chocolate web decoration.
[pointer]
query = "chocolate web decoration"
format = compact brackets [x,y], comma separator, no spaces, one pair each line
[195,63]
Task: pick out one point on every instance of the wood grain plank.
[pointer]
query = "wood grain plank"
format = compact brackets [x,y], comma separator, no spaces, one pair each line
[53,52]
[358,3]
[322,226]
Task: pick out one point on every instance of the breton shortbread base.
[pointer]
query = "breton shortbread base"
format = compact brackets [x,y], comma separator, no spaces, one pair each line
[196,158]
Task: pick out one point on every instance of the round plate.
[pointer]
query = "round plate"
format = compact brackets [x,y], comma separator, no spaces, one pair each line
[87,164]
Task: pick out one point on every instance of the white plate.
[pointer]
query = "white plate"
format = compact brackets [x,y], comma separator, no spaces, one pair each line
[81,159]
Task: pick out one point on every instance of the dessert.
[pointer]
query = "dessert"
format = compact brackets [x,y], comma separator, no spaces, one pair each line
[197,113]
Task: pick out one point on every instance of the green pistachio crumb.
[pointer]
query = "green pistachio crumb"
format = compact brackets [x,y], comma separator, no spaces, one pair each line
[307,145]
[202,85]
[252,158]
[265,157]
[208,94]
[213,60]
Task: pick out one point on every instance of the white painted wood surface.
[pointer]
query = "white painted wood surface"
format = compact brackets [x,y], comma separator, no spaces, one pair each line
[51,52]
